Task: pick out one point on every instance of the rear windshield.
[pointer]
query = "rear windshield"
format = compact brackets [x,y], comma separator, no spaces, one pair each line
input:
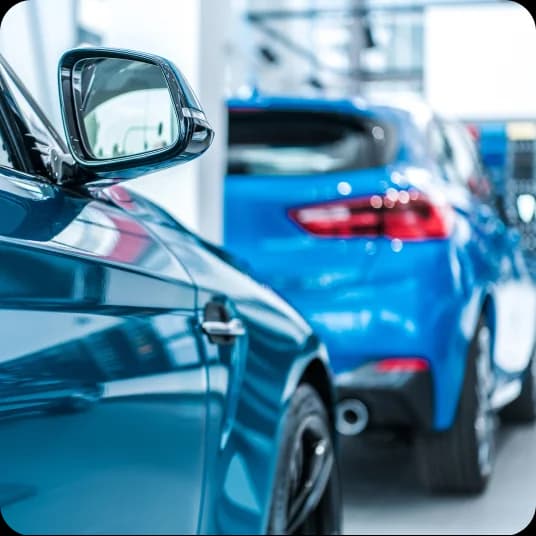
[304,143]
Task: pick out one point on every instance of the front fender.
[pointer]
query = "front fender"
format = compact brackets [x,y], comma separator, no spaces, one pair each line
[240,476]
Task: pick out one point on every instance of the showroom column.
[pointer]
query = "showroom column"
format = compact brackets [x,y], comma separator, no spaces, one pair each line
[213,20]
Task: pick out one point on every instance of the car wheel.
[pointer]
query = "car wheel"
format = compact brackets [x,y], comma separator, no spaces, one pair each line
[306,497]
[461,459]
[523,408]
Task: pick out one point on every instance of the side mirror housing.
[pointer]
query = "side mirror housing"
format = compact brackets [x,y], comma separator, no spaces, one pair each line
[128,113]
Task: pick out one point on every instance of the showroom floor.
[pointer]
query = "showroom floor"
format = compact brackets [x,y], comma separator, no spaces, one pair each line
[382,494]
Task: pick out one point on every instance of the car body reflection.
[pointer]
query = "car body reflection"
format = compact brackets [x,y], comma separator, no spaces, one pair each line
[93,350]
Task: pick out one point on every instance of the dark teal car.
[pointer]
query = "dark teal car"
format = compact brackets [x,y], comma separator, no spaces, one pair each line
[146,384]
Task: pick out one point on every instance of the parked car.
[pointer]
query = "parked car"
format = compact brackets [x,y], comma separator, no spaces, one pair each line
[377,223]
[146,385]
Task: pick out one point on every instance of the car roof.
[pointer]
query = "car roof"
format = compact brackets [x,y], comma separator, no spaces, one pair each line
[409,102]
[393,106]
[295,102]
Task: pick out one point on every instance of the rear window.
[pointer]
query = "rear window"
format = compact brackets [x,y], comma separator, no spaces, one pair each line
[305,143]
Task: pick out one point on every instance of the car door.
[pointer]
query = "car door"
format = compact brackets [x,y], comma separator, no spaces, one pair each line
[515,304]
[102,380]
[259,338]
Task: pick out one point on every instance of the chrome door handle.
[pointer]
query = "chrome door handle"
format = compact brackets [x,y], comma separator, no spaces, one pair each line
[233,328]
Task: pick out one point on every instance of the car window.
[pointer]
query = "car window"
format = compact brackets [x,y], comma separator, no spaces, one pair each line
[304,142]
[441,150]
[463,157]
[34,120]
[436,142]
[5,157]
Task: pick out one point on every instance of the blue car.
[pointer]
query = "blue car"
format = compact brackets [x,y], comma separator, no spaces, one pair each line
[147,386]
[376,222]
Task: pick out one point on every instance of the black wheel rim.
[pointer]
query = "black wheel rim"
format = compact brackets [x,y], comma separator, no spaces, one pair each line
[310,468]
[532,371]
[484,416]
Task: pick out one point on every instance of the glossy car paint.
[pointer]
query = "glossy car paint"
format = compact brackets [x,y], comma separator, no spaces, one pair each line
[377,298]
[117,415]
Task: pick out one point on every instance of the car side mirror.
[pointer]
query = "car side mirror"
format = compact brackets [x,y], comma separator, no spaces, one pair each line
[128,113]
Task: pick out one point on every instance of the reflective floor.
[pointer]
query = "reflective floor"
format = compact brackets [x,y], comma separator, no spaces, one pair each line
[382,494]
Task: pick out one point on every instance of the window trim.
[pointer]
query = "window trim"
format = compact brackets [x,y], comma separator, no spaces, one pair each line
[18,130]
[33,103]
[9,129]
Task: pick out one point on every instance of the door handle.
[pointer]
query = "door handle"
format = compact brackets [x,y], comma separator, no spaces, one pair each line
[232,328]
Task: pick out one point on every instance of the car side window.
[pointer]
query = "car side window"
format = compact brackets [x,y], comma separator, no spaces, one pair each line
[441,151]
[5,156]
[463,158]
[43,137]
[436,142]
[469,168]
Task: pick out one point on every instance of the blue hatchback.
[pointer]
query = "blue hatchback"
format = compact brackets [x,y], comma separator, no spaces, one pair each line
[377,223]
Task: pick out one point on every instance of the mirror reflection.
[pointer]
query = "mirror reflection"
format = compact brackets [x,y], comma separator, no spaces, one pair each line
[125,107]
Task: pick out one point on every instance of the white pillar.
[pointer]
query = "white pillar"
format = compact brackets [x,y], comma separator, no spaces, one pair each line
[212,72]
[32,38]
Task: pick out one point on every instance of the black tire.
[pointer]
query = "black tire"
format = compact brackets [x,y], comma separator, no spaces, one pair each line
[460,460]
[523,408]
[306,424]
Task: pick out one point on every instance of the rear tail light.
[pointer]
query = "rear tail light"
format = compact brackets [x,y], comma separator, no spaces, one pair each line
[406,215]
[402,364]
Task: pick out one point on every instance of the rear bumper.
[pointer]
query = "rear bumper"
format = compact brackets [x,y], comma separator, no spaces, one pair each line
[422,316]
[369,322]
[394,399]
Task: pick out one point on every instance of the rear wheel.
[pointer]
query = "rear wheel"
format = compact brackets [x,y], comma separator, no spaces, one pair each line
[523,408]
[461,459]
[306,497]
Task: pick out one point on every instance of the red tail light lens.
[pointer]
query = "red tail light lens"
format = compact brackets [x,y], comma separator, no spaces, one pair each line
[402,364]
[399,214]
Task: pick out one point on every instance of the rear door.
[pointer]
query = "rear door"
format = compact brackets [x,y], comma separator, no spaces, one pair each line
[498,246]
[102,381]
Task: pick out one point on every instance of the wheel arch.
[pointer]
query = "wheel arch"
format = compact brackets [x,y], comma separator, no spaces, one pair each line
[311,368]
[316,374]
[448,374]
[488,311]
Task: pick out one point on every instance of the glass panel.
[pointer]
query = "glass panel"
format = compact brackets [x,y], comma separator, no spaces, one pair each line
[5,158]
[124,106]
[302,143]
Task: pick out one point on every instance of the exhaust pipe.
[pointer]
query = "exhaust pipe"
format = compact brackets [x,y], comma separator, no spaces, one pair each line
[351,417]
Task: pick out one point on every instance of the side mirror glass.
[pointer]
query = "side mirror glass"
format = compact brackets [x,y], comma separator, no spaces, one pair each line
[124,108]
[127,113]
